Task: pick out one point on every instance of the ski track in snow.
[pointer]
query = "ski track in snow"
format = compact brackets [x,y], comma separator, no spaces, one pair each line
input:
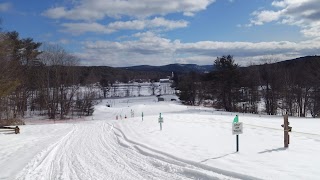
[102,148]
[98,150]
[189,167]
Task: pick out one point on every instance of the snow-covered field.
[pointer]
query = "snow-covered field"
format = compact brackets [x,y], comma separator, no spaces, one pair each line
[195,143]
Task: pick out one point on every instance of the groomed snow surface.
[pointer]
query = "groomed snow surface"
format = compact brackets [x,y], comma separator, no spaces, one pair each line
[195,143]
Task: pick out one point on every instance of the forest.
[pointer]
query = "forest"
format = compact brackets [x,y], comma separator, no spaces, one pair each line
[288,87]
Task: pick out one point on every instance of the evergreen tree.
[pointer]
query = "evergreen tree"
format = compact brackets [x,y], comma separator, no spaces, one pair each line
[226,81]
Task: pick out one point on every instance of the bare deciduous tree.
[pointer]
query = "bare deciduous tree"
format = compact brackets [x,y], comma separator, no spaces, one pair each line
[60,81]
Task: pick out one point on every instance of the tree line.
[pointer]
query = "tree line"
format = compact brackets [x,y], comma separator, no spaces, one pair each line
[39,78]
[291,87]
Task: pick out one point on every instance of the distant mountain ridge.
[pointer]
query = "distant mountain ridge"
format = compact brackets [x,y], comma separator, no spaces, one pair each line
[187,68]
[177,68]
[92,74]
[301,62]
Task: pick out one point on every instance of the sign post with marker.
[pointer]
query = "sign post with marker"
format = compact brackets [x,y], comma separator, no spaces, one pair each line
[237,128]
[160,121]
[142,116]
[286,131]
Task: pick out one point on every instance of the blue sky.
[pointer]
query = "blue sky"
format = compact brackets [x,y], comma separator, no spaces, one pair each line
[158,32]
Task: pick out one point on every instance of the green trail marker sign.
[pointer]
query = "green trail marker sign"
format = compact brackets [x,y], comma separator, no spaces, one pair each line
[160,120]
[236,119]
[237,128]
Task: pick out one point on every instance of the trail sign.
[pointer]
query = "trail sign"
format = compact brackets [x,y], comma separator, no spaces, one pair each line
[237,128]
[160,120]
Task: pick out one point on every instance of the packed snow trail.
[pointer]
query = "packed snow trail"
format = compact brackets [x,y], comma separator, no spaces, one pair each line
[97,150]
[196,143]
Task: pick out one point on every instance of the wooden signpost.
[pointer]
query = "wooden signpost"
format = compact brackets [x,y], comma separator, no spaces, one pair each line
[286,130]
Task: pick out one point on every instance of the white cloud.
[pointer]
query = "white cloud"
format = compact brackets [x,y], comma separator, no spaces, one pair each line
[262,17]
[158,22]
[64,41]
[56,13]
[312,31]
[149,48]
[280,4]
[4,7]
[302,13]
[161,22]
[188,14]
[92,10]
[142,24]
[79,28]
[135,24]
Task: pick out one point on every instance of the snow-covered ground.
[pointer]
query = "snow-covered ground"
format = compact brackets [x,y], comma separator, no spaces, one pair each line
[195,143]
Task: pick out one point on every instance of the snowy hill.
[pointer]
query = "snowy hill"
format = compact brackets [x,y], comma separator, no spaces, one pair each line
[195,143]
